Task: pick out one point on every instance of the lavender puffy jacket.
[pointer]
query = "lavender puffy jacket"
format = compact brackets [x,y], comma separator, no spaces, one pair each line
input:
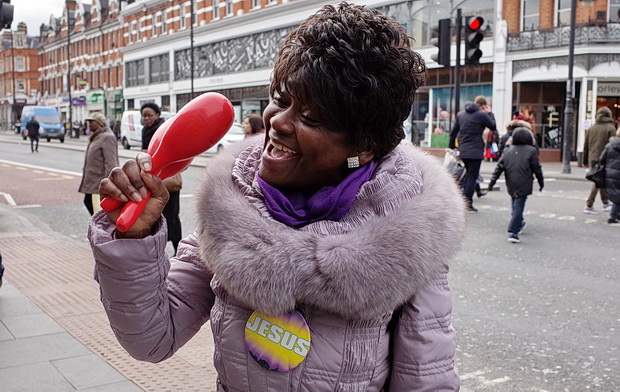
[372,286]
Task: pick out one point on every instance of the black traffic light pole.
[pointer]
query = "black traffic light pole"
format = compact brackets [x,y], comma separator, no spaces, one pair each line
[457,66]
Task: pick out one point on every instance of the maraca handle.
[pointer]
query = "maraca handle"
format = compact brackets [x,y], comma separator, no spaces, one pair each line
[109,204]
[130,213]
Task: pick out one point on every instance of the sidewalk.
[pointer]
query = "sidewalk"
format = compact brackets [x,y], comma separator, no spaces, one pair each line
[54,335]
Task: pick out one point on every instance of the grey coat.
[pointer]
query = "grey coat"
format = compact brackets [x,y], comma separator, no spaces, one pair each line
[372,286]
[100,158]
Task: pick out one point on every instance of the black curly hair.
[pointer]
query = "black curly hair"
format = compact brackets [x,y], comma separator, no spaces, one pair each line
[355,66]
[151,105]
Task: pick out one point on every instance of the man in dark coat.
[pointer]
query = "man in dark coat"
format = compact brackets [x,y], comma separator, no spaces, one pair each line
[597,136]
[519,164]
[33,133]
[468,129]
[610,158]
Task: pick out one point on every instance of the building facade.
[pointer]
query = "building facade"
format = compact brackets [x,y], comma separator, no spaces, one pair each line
[535,63]
[81,61]
[116,55]
[19,76]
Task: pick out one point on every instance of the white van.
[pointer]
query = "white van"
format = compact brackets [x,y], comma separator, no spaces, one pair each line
[131,128]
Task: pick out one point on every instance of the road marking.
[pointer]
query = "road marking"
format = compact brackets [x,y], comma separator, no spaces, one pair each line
[23,166]
[9,199]
[54,178]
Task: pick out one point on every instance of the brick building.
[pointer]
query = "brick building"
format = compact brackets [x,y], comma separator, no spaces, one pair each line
[19,76]
[90,37]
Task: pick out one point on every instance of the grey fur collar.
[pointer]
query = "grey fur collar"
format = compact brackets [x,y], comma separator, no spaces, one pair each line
[396,239]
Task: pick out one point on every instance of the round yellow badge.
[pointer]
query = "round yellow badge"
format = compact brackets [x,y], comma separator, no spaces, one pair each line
[278,343]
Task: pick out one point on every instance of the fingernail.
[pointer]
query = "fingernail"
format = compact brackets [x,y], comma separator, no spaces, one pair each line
[136,197]
[147,166]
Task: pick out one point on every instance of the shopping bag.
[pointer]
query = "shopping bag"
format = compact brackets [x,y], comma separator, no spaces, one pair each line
[596,174]
[454,165]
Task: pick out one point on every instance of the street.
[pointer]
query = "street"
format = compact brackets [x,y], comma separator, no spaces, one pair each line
[541,315]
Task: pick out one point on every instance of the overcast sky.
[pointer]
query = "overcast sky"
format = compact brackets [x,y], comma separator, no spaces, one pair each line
[35,12]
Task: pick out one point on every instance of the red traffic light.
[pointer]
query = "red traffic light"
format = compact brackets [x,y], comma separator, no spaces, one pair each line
[475,22]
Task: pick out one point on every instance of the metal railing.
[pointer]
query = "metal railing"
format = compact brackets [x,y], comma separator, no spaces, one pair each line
[589,33]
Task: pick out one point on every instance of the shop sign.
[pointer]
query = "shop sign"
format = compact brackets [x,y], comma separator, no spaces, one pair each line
[608,89]
[78,101]
[95,98]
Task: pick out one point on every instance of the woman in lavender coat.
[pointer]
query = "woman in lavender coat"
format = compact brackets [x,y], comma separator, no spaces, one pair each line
[327,220]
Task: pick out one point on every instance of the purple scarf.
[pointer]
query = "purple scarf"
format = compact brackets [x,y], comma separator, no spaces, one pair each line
[294,209]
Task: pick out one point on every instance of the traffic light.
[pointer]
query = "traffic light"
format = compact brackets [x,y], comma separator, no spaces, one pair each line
[6,14]
[442,39]
[473,36]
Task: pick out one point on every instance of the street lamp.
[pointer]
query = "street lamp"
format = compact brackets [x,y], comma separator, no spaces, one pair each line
[191,48]
[70,22]
[567,131]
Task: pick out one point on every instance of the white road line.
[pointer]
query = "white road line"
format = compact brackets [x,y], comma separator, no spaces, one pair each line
[21,166]
[9,199]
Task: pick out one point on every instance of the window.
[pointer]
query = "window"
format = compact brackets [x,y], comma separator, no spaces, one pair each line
[229,7]
[135,73]
[158,69]
[164,27]
[216,9]
[129,33]
[20,64]
[255,3]
[165,102]
[182,16]
[137,26]
[530,11]
[154,25]
[563,14]
[614,10]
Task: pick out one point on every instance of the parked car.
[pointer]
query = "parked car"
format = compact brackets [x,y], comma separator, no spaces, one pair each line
[131,128]
[234,134]
[48,118]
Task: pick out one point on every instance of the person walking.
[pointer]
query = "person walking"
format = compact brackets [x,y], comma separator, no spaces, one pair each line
[504,140]
[319,258]
[610,158]
[101,157]
[468,129]
[253,125]
[597,137]
[519,164]
[1,270]
[33,133]
[151,120]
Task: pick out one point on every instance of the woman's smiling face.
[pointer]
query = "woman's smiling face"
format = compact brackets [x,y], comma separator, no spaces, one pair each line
[300,152]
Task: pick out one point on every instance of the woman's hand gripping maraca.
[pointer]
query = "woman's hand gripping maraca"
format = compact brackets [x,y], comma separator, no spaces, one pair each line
[169,152]
[132,182]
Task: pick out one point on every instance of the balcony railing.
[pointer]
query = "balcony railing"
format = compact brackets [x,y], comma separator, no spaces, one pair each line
[590,33]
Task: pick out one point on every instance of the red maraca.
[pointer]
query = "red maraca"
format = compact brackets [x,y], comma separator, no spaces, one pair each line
[208,117]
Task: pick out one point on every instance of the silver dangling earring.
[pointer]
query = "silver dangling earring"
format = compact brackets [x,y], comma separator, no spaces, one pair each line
[353,162]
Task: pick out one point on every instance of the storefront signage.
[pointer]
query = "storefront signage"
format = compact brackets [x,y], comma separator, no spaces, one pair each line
[78,101]
[589,103]
[95,98]
[608,89]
